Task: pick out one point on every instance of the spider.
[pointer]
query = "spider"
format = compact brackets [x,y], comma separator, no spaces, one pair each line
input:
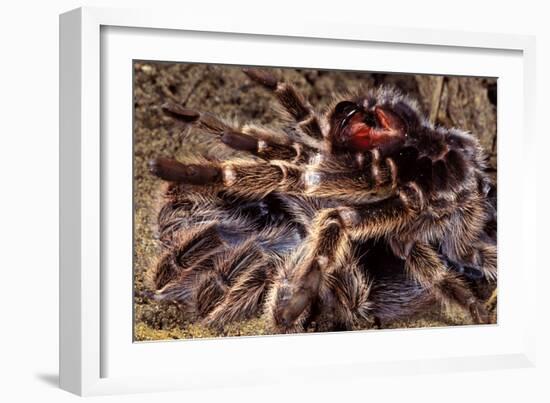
[365,211]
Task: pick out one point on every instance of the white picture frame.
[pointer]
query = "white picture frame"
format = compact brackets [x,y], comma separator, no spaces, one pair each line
[97,355]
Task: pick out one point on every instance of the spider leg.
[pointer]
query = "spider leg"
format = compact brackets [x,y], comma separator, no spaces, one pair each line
[487,260]
[256,179]
[482,263]
[292,101]
[264,148]
[249,269]
[385,218]
[346,295]
[301,278]
[357,179]
[235,285]
[291,299]
[221,284]
[185,208]
[177,272]
[382,219]
[207,292]
[205,121]
[246,178]
[328,247]
[260,141]
[246,294]
[425,266]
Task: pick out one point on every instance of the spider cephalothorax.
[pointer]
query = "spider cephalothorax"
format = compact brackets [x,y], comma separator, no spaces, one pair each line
[291,231]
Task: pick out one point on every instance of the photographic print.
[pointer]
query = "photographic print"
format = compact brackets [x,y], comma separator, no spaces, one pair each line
[284,200]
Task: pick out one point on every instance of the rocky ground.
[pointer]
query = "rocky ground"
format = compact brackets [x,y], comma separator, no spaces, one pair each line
[468,103]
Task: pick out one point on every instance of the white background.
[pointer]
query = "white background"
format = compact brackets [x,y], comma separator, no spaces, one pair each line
[29,216]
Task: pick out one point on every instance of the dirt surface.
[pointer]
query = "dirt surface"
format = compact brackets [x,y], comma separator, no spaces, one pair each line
[464,102]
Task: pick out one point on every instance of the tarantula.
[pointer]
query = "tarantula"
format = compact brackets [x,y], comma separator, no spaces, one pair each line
[363,212]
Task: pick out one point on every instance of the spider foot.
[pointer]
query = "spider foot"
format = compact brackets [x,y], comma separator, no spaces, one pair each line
[469,271]
[175,171]
[294,294]
[479,313]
